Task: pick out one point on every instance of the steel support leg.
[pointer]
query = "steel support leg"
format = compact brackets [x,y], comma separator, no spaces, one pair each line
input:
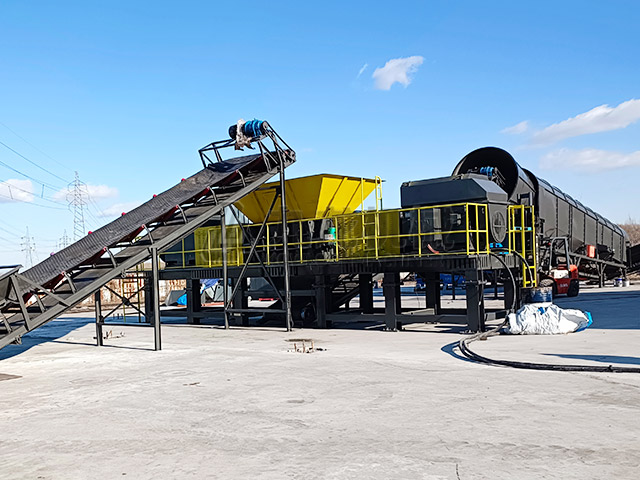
[194,302]
[241,302]
[453,286]
[432,291]
[225,268]
[148,298]
[156,299]
[365,285]
[509,293]
[322,298]
[99,319]
[475,301]
[600,276]
[392,304]
[285,247]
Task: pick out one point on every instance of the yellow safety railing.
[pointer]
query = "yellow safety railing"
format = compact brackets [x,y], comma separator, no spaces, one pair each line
[522,239]
[454,229]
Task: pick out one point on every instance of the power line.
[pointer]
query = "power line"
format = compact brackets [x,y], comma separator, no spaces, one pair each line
[85,192]
[95,205]
[10,186]
[32,162]
[35,148]
[11,243]
[15,230]
[31,203]
[28,176]
[10,233]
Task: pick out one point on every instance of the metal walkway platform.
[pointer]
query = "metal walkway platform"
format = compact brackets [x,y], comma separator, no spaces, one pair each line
[31,298]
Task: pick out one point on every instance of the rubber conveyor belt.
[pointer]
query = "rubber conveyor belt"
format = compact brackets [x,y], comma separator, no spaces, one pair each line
[169,216]
[114,232]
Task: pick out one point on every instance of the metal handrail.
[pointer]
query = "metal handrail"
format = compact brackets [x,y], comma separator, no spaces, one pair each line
[472,230]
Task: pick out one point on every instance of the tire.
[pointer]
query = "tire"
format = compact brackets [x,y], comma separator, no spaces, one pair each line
[574,288]
[549,282]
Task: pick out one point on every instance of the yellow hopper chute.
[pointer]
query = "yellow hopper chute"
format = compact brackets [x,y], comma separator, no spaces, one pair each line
[315,196]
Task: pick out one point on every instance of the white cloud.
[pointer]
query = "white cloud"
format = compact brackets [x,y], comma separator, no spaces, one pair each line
[116,209]
[364,67]
[96,192]
[397,70]
[516,129]
[14,190]
[599,119]
[588,160]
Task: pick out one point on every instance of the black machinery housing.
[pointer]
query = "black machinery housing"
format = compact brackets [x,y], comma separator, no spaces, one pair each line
[491,175]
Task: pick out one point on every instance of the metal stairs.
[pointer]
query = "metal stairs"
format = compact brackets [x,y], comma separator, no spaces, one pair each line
[345,289]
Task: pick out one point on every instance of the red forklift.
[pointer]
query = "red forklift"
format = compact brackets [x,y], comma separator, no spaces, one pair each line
[557,271]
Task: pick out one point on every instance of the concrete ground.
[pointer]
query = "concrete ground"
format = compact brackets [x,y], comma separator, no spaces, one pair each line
[369,405]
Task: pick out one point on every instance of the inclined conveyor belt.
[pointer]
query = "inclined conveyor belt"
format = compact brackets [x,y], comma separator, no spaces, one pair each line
[67,277]
[130,223]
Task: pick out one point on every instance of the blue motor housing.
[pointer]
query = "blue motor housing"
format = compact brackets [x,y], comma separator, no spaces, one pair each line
[252,128]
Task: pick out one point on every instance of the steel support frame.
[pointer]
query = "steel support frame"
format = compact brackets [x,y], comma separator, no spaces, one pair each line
[271,161]
[31,322]
[432,290]
[365,290]
[124,301]
[322,291]
[157,341]
[286,300]
[151,307]
[459,265]
[194,303]
[475,300]
[392,301]
[99,318]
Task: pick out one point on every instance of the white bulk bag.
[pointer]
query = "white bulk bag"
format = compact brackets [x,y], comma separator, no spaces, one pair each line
[547,319]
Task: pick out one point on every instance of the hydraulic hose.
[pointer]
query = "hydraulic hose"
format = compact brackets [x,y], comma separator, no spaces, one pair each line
[463,345]
[513,280]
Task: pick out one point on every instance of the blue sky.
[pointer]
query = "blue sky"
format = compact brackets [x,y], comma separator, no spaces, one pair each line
[126,94]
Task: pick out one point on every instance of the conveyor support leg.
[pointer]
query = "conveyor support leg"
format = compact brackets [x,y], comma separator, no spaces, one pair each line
[156,299]
[241,302]
[510,293]
[99,319]
[475,301]
[194,301]
[392,301]
[323,294]
[432,291]
[365,285]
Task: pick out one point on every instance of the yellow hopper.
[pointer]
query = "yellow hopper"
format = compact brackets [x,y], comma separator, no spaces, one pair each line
[315,196]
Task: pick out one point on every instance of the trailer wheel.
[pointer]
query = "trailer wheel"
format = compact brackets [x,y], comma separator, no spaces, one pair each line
[574,288]
[549,282]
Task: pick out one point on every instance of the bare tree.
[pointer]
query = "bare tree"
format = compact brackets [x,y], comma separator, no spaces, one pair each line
[632,227]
